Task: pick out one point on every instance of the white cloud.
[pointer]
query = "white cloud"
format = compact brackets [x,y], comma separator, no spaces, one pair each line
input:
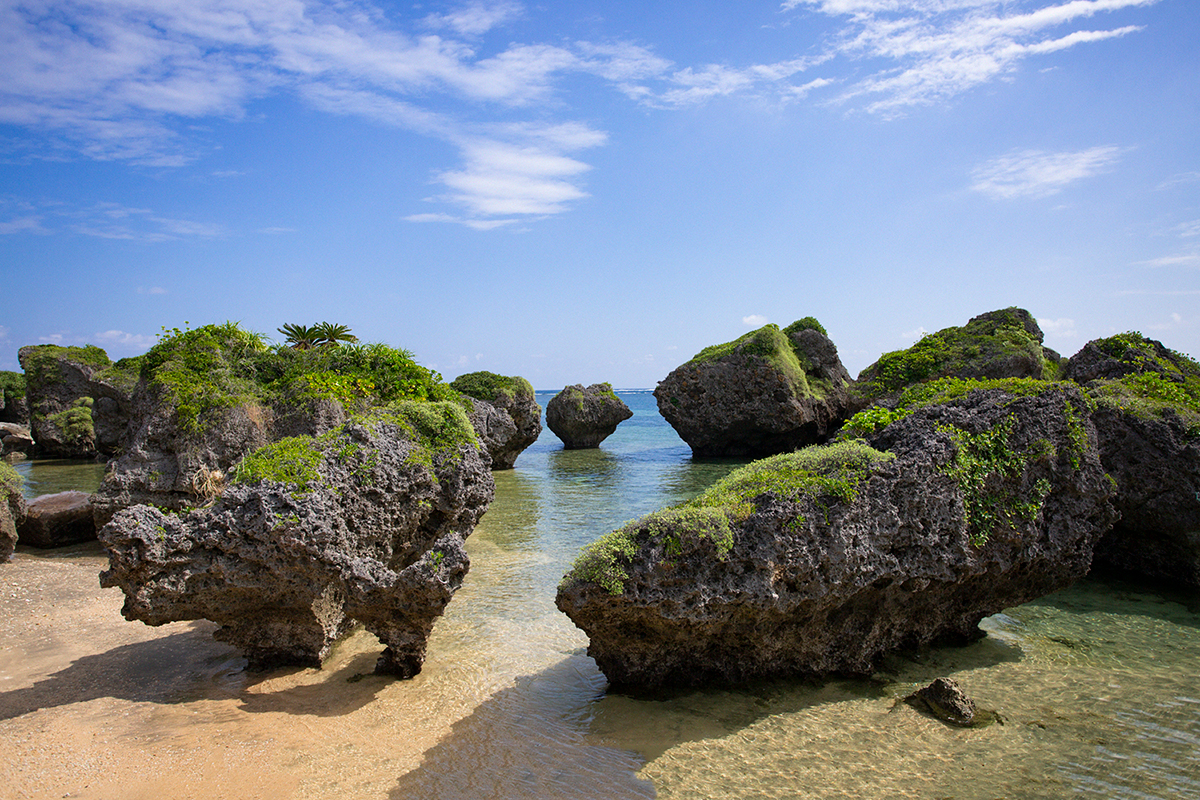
[123,339]
[755,320]
[1036,173]
[1188,229]
[914,335]
[476,18]
[1179,260]
[1062,328]
[151,290]
[935,49]
[31,224]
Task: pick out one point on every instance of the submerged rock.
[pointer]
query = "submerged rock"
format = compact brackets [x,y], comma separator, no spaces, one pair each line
[768,392]
[947,701]
[57,520]
[505,414]
[363,524]
[583,418]
[821,561]
[1148,425]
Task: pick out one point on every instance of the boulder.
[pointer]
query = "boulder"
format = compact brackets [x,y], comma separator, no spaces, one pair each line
[57,520]
[1148,423]
[505,414]
[79,401]
[998,344]
[363,524]
[12,509]
[583,418]
[821,561]
[15,438]
[768,392]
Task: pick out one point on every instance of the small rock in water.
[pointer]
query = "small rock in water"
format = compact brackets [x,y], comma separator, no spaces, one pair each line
[946,700]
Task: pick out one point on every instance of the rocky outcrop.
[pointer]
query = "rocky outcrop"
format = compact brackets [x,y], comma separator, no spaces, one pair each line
[170,465]
[13,406]
[998,344]
[821,561]
[79,401]
[57,520]
[364,524]
[12,510]
[584,418]
[505,414]
[768,392]
[1148,424]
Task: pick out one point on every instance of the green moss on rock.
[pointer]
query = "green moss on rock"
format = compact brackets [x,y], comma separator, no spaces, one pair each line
[491,387]
[75,423]
[987,344]
[11,482]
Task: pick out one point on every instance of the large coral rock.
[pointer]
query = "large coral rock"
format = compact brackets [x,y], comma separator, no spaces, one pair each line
[57,520]
[1148,424]
[79,401]
[505,414]
[365,524]
[172,466]
[583,418]
[998,344]
[12,510]
[821,561]
[15,438]
[770,391]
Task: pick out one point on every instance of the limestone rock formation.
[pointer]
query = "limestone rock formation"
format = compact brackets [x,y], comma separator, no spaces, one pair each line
[998,344]
[79,401]
[57,520]
[822,560]
[15,438]
[584,418]
[505,414]
[768,392]
[12,509]
[365,523]
[1148,423]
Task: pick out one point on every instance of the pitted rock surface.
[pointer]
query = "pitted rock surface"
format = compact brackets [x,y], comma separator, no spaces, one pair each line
[583,418]
[824,585]
[285,570]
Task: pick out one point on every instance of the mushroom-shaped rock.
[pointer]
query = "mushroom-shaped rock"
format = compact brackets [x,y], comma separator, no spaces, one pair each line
[505,414]
[768,392]
[365,523]
[1147,420]
[584,418]
[822,560]
[998,344]
[57,520]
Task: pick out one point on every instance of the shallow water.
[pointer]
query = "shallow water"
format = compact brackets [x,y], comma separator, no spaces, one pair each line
[50,476]
[1097,686]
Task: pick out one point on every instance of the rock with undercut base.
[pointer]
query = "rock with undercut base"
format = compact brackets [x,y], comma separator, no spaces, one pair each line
[583,418]
[364,524]
[504,412]
[770,391]
[821,561]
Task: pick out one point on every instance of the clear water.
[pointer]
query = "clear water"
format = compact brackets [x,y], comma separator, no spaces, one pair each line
[1097,686]
[50,476]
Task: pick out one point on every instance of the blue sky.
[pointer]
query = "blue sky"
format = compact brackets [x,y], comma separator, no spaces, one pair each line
[580,192]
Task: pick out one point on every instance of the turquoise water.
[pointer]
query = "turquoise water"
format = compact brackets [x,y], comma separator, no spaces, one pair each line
[1097,685]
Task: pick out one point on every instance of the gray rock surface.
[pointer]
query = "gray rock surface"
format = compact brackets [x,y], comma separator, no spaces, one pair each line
[15,438]
[373,534]
[947,701]
[57,382]
[823,575]
[505,414]
[770,392]
[12,512]
[57,520]
[583,418]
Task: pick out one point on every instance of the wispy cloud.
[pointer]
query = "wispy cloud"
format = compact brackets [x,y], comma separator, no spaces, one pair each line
[1061,328]
[1036,173]
[754,320]
[935,49]
[135,341]
[108,221]
[127,80]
